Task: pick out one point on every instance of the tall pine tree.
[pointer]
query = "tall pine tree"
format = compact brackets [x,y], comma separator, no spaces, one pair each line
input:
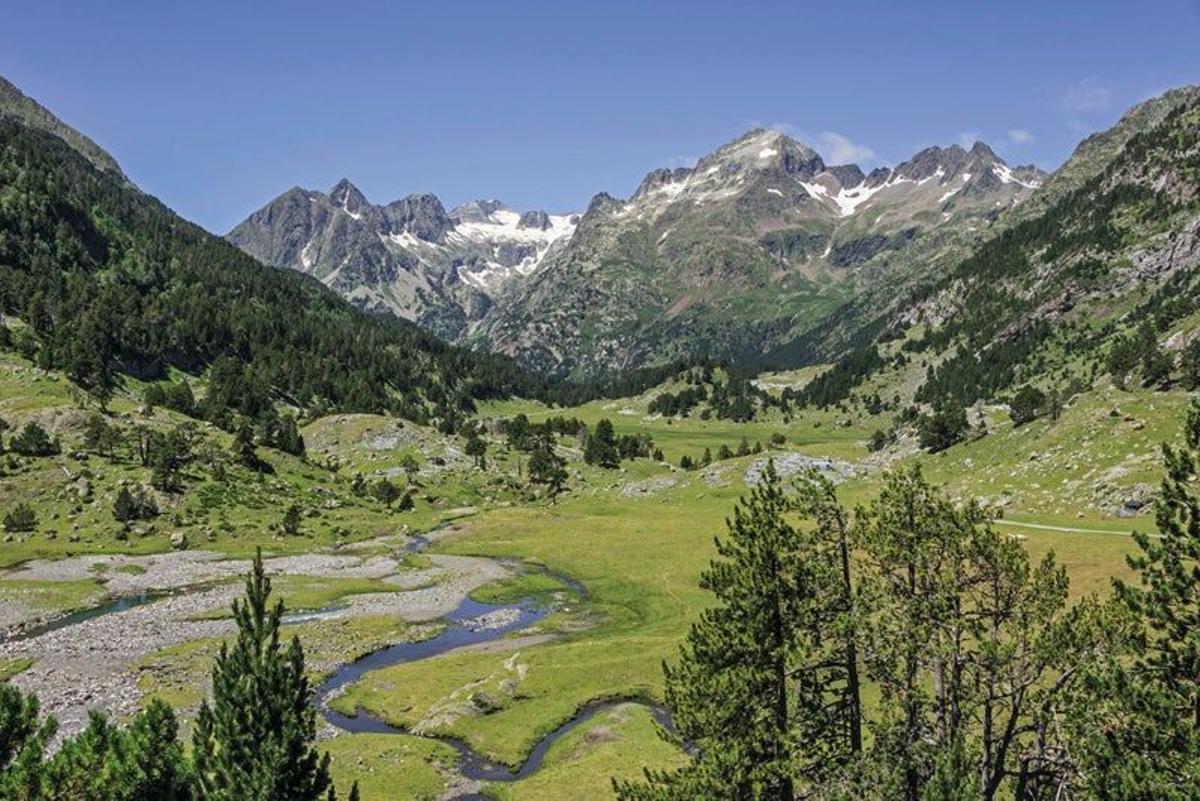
[256,739]
[761,690]
[1154,752]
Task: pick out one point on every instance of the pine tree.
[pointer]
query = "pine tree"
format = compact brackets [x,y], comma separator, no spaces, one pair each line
[1157,752]
[21,518]
[385,491]
[243,447]
[751,690]
[1190,362]
[410,466]
[476,448]
[24,739]
[546,466]
[601,448]
[256,738]
[287,436]
[124,506]
[34,441]
[291,521]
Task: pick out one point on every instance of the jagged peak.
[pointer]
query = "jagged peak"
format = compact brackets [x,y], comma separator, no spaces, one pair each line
[347,196]
[984,151]
[661,177]
[534,219]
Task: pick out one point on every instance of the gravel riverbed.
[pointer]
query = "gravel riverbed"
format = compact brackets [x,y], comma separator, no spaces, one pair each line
[90,664]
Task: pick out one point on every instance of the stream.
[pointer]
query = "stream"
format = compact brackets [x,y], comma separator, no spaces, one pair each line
[459,633]
[471,623]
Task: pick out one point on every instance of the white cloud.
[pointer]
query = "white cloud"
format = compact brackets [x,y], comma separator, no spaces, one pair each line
[839,149]
[1086,95]
[1020,136]
[968,138]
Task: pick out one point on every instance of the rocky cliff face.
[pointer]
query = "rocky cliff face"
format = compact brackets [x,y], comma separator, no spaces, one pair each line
[411,257]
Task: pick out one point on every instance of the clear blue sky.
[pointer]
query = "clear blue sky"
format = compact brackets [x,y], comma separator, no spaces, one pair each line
[218,107]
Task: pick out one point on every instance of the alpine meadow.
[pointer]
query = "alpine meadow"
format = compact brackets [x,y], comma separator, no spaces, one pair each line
[798,470]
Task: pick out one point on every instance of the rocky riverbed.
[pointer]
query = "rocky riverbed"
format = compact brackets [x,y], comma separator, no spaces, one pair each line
[90,664]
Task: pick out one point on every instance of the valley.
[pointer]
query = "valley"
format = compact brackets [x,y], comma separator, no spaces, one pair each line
[596,505]
[610,567]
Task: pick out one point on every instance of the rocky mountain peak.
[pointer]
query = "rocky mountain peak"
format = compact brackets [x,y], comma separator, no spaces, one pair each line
[477,210]
[983,151]
[762,150]
[538,220]
[347,196]
[421,215]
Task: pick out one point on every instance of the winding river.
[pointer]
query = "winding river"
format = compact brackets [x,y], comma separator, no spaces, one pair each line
[468,625]
[460,633]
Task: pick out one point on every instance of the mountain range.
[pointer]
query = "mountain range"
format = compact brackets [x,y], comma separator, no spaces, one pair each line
[761,255]
[755,244]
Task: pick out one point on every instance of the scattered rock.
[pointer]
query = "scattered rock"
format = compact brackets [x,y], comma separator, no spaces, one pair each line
[791,464]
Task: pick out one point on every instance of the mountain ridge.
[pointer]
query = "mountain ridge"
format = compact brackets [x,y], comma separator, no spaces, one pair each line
[759,210]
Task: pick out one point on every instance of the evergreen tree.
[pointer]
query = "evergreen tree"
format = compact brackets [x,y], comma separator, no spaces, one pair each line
[743,448]
[385,491]
[21,518]
[243,447]
[287,437]
[546,466]
[973,651]
[99,436]
[291,521]
[255,740]
[1155,751]
[411,467]
[946,426]
[601,448]
[1190,362]
[33,440]
[753,690]
[476,448]
[1027,404]
[142,762]
[124,507]
[24,739]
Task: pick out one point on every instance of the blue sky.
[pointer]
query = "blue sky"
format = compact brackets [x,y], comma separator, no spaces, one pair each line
[218,107]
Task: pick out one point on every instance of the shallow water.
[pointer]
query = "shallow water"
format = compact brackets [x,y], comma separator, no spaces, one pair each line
[471,765]
[83,615]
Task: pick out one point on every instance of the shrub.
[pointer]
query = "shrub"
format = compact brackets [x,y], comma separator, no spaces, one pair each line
[20,518]
[34,441]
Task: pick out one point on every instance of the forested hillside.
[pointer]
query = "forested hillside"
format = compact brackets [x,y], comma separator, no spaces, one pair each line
[109,282]
[1103,281]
